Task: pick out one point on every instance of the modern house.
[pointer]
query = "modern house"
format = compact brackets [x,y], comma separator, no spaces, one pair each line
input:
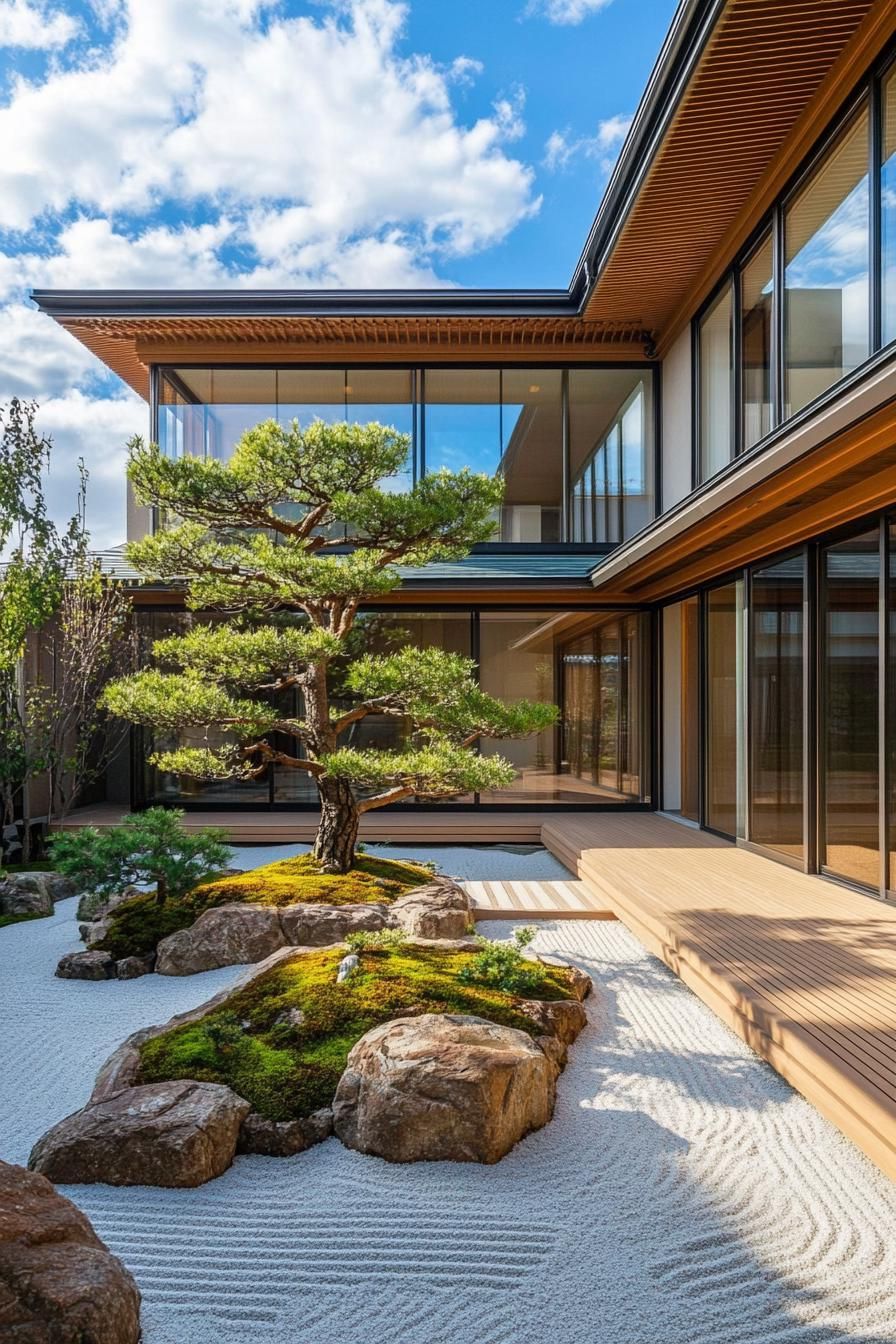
[697,552]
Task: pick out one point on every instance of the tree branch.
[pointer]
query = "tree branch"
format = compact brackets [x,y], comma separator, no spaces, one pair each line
[383,799]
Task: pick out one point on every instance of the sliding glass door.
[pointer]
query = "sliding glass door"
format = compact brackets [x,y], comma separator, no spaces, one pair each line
[777,714]
[723,799]
[849,743]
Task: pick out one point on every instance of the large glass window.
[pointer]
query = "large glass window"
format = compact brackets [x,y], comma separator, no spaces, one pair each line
[849,708]
[756,295]
[826,240]
[462,419]
[715,364]
[611,453]
[888,209]
[724,725]
[776,716]
[532,453]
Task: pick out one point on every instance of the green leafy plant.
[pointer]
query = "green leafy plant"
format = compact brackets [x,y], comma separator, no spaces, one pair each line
[149,847]
[381,940]
[252,539]
[502,965]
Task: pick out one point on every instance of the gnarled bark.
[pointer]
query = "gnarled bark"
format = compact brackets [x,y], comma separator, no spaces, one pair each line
[337,834]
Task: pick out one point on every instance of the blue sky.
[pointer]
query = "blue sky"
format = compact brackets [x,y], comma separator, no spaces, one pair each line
[219,143]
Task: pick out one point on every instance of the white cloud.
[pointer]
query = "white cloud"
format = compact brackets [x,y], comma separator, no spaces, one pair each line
[296,152]
[603,145]
[205,104]
[566,11]
[24,23]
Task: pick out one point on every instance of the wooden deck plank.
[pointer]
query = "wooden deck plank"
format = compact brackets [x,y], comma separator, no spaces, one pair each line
[803,969]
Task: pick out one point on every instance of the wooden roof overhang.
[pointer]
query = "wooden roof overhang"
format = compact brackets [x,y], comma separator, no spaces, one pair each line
[130,345]
[834,467]
[763,81]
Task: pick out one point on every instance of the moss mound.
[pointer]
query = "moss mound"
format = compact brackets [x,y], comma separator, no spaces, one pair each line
[20,919]
[138,926]
[282,1042]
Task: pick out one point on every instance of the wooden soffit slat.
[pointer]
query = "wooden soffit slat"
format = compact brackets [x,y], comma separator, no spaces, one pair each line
[771,77]
[130,345]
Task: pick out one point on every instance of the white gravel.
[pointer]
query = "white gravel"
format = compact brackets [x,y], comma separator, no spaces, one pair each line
[683,1194]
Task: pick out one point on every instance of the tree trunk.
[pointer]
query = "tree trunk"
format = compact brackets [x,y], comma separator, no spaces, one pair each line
[337,834]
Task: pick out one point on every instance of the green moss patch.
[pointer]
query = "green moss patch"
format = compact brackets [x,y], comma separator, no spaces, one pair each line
[20,919]
[282,1042]
[138,926]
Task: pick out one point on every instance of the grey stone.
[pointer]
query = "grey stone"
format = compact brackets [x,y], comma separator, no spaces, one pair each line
[443,1087]
[92,907]
[58,1283]
[86,966]
[17,898]
[282,1138]
[171,1134]
[225,936]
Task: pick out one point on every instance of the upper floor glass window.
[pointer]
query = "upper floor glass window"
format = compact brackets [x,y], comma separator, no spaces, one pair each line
[756,326]
[611,455]
[826,241]
[715,362]
[538,427]
[888,208]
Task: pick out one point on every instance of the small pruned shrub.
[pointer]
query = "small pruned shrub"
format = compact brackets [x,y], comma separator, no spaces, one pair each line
[148,847]
[501,965]
[382,940]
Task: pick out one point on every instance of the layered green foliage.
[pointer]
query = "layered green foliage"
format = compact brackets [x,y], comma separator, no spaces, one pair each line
[282,1042]
[137,926]
[502,965]
[148,847]
[253,539]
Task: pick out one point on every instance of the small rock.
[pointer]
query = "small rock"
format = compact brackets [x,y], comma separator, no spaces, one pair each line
[346,966]
[58,1283]
[86,966]
[131,968]
[94,932]
[560,1023]
[580,983]
[169,1134]
[90,907]
[282,1138]
[442,1087]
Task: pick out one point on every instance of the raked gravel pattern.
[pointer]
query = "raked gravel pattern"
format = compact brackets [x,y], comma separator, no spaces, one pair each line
[683,1194]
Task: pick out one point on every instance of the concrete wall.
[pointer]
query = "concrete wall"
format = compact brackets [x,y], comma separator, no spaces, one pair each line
[676,421]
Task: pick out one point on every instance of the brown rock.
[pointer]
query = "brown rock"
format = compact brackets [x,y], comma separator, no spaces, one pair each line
[282,1138]
[580,982]
[86,966]
[225,936]
[58,1282]
[320,925]
[131,968]
[437,910]
[560,1023]
[171,1134]
[442,1087]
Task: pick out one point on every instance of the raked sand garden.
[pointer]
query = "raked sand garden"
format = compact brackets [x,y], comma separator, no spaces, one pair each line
[682,1193]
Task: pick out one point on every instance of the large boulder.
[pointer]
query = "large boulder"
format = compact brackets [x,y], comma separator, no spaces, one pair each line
[228,935]
[58,1282]
[320,925]
[22,894]
[442,1087]
[172,1134]
[441,909]
[86,966]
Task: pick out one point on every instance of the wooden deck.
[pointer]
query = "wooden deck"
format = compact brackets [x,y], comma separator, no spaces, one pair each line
[802,969]
[542,898]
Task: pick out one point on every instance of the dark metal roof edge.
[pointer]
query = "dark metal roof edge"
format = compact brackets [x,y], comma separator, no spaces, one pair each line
[124,303]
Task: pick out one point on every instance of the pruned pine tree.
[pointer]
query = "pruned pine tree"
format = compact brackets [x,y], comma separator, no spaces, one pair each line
[253,538]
